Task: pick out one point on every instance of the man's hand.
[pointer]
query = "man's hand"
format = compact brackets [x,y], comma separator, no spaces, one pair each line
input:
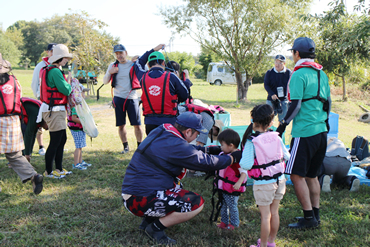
[274,97]
[237,185]
[214,150]
[186,73]
[113,70]
[158,47]
[237,156]
[281,129]
[28,157]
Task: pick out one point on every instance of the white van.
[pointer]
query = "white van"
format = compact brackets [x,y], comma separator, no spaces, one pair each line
[219,73]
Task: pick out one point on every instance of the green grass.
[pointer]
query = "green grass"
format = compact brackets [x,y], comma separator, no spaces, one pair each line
[85,209]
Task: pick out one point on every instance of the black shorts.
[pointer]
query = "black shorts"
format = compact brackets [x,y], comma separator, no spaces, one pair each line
[307,155]
[132,108]
[164,203]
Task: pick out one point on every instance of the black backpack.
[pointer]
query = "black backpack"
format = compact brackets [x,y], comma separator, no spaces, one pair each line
[360,147]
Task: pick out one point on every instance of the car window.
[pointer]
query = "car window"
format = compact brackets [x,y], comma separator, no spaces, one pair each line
[210,68]
[220,69]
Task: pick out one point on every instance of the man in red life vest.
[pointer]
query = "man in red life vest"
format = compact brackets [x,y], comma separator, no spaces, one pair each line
[35,85]
[10,128]
[124,98]
[162,91]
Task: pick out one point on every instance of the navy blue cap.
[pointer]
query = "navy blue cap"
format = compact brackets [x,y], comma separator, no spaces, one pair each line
[191,120]
[119,48]
[51,46]
[280,57]
[303,44]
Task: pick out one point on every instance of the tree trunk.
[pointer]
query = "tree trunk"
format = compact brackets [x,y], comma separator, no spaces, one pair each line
[242,86]
[344,89]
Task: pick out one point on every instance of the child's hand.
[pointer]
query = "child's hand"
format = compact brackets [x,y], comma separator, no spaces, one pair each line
[237,185]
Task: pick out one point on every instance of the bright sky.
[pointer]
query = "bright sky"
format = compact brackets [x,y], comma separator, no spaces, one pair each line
[137,23]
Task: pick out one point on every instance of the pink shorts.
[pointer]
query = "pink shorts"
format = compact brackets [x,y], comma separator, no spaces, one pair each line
[264,194]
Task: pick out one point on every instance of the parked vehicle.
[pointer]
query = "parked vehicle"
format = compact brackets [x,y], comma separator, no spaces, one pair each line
[219,73]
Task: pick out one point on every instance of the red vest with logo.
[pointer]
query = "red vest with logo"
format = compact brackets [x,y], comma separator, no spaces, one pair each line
[10,96]
[24,115]
[156,97]
[50,96]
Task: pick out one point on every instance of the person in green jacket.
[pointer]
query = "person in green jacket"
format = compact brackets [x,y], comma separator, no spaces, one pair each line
[53,112]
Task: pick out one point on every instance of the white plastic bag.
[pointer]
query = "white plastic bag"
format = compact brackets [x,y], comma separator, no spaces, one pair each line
[87,120]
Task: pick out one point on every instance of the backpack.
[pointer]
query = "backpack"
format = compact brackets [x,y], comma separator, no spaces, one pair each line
[360,147]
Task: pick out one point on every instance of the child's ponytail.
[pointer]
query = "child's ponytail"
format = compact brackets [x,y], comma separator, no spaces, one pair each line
[247,133]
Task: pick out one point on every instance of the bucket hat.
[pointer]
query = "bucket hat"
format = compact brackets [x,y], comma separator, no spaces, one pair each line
[59,51]
[5,66]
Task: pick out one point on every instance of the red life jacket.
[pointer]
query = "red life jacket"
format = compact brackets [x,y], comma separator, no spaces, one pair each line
[24,115]
[50,96]
[73,125]
[10,95]
[156,97]
[198,109]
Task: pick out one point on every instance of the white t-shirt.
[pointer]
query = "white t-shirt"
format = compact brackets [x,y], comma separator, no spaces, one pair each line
[35,85]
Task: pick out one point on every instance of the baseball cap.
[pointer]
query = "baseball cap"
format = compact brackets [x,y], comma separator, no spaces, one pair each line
[303,44]
[191,120]
[280,57]
[51,46]
[156,56]
[119,47]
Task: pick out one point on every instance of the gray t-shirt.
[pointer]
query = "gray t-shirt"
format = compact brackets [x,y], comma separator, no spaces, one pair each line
[123,85]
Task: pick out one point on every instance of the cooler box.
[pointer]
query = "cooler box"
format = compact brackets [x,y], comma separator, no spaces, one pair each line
[333,123]
[224,117]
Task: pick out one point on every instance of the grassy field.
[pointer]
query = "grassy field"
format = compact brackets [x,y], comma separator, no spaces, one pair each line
[85,209]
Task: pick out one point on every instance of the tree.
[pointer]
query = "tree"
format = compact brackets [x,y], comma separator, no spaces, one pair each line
[344,40]
[185,60]
[241,32]
[8,49]
[205,58]
[93,48]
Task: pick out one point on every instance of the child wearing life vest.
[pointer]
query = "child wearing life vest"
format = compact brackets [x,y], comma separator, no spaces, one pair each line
[263,155]
[231,181]
[79,138]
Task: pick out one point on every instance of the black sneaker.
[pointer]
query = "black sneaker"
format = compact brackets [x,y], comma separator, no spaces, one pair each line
[304,224]
[37,183]
[146,221]
[159,237]
[299,218]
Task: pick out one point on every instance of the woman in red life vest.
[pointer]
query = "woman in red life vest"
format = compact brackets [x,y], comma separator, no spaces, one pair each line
[54,90]
[10,128]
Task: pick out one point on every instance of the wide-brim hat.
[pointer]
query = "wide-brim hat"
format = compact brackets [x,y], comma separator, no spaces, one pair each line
[59,51]
[5,66]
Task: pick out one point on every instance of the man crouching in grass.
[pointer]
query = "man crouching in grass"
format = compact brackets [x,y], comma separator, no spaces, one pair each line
[150,188]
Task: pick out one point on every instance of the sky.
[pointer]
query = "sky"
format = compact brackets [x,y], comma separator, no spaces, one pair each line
[136,23]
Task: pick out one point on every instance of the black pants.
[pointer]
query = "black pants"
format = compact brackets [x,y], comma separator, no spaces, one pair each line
[55,150]
[149,128]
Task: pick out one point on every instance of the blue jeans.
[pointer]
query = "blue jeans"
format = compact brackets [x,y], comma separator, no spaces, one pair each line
[230,208]
[284,107]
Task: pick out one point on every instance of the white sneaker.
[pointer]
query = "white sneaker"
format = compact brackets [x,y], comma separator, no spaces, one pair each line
[355,186]
[326,184]
[42,151]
